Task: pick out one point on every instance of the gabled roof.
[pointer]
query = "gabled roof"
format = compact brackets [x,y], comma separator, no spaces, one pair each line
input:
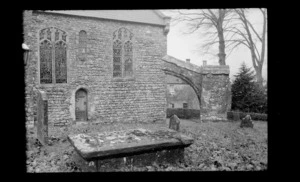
[141,16]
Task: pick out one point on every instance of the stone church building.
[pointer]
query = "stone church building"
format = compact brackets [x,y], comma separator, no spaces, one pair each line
[102,65]
[98,65]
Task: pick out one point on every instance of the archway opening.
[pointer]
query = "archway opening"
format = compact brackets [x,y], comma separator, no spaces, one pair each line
[182,99]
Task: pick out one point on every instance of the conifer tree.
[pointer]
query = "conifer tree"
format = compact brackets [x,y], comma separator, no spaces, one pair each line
[247,96]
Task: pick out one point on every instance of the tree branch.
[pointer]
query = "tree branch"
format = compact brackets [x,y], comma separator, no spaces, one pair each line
[254,30]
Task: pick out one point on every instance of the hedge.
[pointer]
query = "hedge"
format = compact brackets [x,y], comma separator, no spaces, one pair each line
[239,115]
[183,113]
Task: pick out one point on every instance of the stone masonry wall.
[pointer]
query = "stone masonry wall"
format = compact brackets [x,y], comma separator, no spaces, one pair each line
[211,84]
[216,94]
[140,98]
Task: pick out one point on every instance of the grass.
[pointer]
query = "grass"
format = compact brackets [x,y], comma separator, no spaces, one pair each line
[217,146]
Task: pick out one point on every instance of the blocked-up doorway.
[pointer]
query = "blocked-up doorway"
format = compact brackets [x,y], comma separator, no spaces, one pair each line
[81,105]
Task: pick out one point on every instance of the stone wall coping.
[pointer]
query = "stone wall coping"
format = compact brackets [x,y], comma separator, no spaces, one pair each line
[181,63]
[212,69]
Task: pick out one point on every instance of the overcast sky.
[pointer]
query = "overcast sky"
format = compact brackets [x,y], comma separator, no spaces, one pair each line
[185,47]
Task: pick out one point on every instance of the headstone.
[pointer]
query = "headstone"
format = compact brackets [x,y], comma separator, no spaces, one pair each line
[174,123]
[247,122]
[42,117]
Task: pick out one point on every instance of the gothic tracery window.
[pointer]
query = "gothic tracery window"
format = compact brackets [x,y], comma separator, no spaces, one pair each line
[46,61]
[122,53]
[53,56]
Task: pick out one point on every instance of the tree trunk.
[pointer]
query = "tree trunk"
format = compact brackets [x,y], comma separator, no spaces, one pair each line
[259,78]
[222,55]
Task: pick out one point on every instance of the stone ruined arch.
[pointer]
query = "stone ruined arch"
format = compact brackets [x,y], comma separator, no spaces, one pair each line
[196,88]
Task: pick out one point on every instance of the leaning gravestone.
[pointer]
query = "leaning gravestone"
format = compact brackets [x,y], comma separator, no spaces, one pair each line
[174,123]
[42,117]
[247,122]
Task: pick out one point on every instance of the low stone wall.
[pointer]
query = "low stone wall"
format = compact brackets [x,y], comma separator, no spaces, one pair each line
[183,113]
[240,115]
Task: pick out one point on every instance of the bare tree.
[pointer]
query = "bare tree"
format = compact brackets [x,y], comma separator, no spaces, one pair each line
[248,36]
[215,22]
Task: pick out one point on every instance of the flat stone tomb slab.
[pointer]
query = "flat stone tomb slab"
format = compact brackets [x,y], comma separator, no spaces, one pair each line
[97,146]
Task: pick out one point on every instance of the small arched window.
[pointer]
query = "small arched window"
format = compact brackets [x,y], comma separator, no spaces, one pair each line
[122,53]
[53,56]
[82,41]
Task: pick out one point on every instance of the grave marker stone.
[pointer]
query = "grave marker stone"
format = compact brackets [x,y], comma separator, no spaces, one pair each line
[134,147]
[247,122]
[42,117]
[174,123]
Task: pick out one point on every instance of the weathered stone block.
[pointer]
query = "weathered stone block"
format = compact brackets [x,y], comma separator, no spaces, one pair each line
[138,147]
[42,117]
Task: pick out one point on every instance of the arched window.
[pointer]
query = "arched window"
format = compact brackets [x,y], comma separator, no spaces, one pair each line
[82,41]
[117,54]
[122,53]
[53,56]
[128,58]
[46,61]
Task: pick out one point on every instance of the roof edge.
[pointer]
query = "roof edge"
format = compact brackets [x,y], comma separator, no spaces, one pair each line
[167,20]
[65,14]
[160,14]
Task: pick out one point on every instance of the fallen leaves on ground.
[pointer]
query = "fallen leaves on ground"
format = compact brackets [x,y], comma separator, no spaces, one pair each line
[218,146]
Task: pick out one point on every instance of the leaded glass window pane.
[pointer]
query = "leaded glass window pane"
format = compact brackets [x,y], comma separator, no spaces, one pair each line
[128,67]
[60,62]
[42,34]
[128,48]
[122,53]
[46,62]
[56,35]
[49,34]
[117,64]
[64,36]
[53,56]
[128,58]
